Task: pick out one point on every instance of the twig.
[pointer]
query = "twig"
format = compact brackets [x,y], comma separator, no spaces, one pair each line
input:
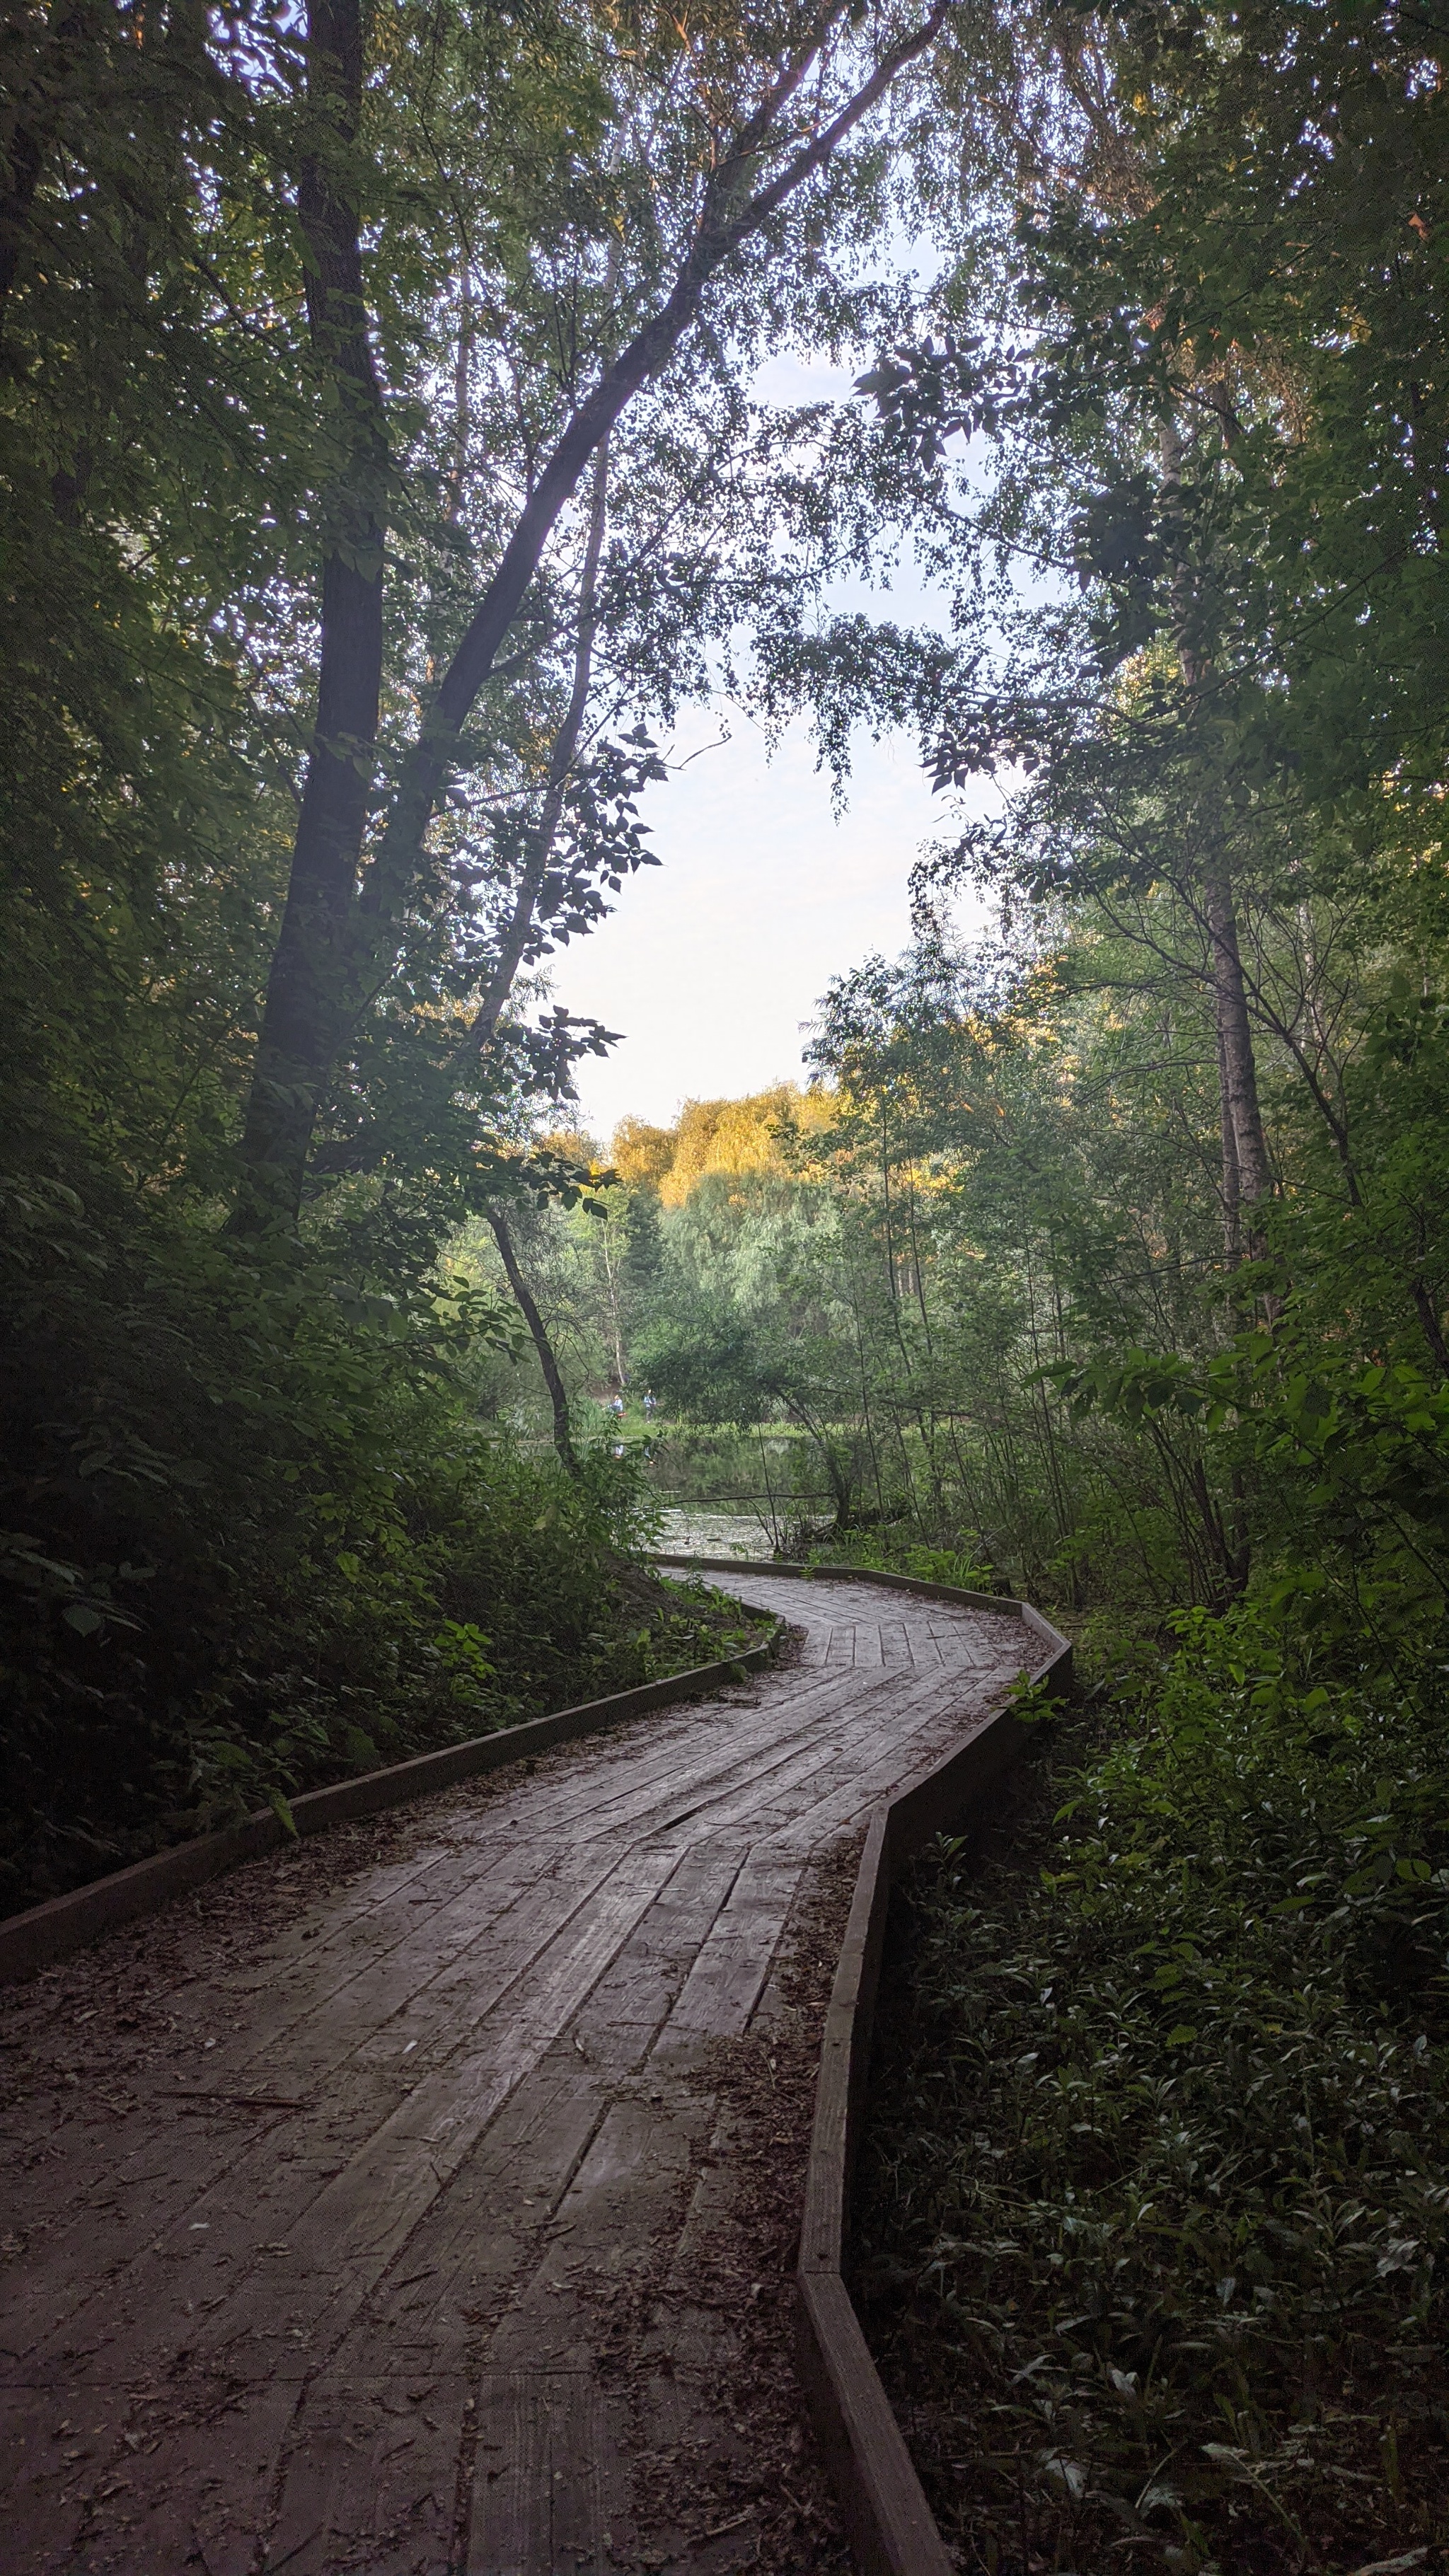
[247,2101]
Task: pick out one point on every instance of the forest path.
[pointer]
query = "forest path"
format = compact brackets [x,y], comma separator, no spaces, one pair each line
[429,2211]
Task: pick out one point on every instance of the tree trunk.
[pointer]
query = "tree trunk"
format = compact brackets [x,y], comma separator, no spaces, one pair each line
[1430,1325]
[1237,1064]
[616,1320]
[841,1489]
[1232,1191]
[311,990]
[1247,1179]
[563,1440]
[561,761]
[316,986]
[728,216]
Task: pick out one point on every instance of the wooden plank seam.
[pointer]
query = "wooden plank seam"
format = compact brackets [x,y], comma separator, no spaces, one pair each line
[50,1931]
[892,2529]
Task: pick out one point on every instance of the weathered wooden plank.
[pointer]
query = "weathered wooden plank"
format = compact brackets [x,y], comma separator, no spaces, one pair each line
[358,2222]
[193,2492]
[892,2529]
[369,2477]
[64,1923]
[50,2457]
[499,1905]
[499,2046]
[484,2235]
[644,1983]
[733,1960]
[893,2532]
[549,2491]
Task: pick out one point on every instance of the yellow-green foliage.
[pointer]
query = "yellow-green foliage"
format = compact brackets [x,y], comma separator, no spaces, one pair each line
[733,1137]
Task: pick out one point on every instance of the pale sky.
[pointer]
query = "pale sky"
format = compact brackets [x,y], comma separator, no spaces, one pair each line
[710,962]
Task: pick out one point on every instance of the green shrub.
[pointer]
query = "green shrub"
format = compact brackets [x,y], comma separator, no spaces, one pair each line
[894,1549]
[254,1534]
[1157,2193]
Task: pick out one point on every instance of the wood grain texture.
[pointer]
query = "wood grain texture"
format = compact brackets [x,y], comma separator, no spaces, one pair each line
[891,2526]
[44,1933]
[342,2291]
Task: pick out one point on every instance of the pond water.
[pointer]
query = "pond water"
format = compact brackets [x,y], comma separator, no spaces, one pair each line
[689,1532]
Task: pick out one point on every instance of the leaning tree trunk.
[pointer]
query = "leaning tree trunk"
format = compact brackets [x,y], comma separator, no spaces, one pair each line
[561,760]
[1232,1189]
[563,1438]
[332,945]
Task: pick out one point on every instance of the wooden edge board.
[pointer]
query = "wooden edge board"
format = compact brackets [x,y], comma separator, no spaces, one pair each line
[1006,1602]
[890,2524]
[50,1931]
[892,2529]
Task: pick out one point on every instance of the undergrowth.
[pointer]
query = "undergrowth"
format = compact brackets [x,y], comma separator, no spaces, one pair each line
[896,1548]
[1155,2197]
[256,1536]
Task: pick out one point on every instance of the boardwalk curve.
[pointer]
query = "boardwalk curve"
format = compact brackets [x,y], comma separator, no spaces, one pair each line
[334,2270]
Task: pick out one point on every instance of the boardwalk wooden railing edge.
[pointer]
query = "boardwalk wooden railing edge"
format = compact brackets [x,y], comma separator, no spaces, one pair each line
[893,2531]
[1006,1602]
[50,1931]
[852,1574]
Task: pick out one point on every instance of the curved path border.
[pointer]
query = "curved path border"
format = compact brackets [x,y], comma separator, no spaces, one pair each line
[893,2531]
[675,1885]
[51,1931]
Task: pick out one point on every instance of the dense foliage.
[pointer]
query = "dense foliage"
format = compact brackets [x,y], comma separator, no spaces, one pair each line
[1154,2231]
[1111,1257]
[377,468]
[1158,2232]
[381,464]
[280,1539]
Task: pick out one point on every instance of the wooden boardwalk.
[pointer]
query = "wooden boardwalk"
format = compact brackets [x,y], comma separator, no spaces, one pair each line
[337,2279]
